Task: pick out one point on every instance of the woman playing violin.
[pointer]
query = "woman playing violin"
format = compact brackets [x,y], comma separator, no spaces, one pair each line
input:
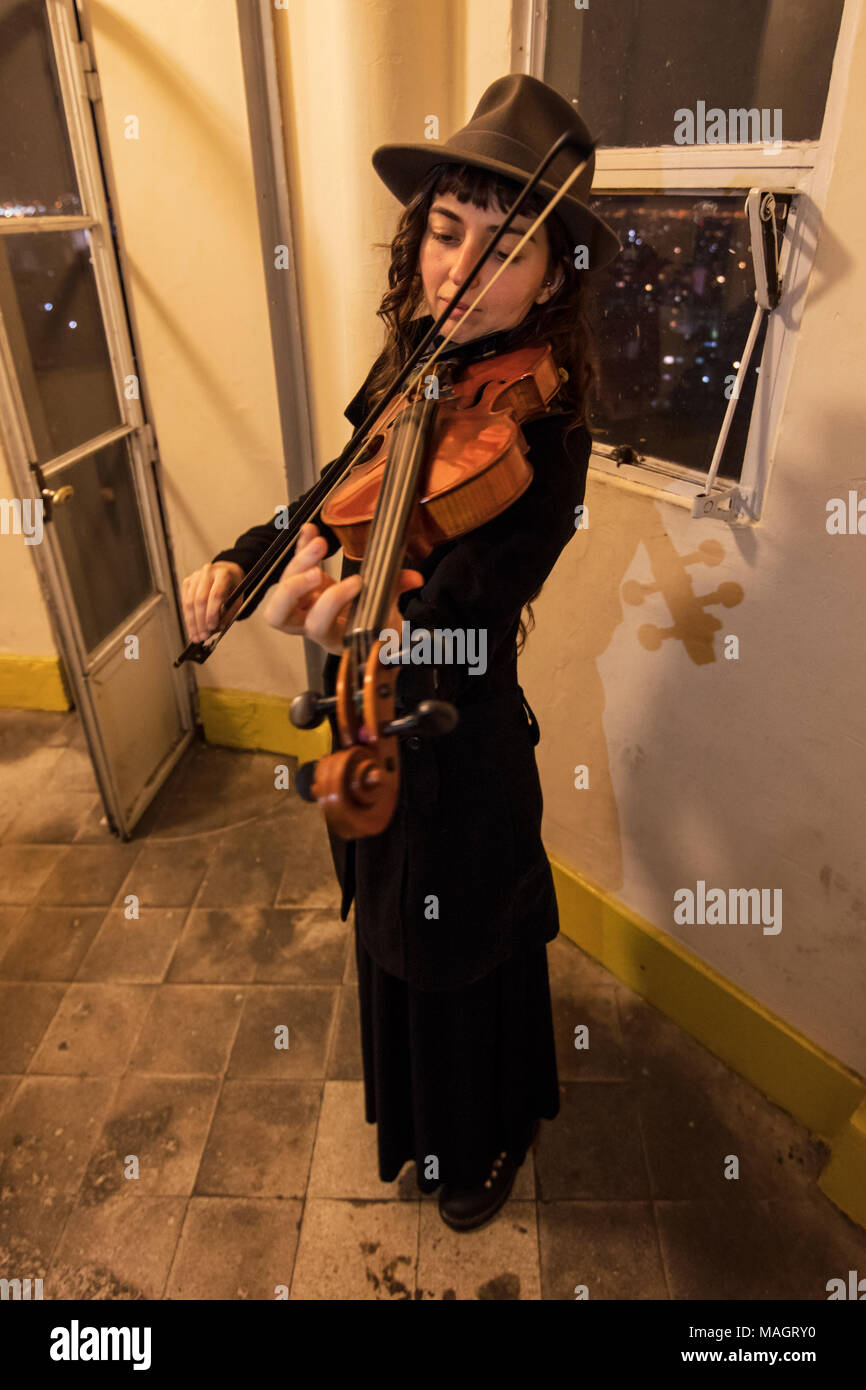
[454,900]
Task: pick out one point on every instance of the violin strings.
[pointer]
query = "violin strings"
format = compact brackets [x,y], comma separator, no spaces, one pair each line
[393,506]
[371,565]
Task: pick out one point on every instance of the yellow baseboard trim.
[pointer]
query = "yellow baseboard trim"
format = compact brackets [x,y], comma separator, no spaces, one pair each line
[248,719]
[32,682]
[816,1089]
[843,1178]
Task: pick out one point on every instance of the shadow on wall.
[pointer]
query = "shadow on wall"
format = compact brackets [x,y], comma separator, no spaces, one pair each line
[574,695]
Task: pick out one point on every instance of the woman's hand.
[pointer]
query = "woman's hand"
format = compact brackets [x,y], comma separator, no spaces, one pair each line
[202,593]
[307,602]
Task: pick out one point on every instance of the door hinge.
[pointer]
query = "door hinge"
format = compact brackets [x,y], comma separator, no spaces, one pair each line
[149,442]
[90,77]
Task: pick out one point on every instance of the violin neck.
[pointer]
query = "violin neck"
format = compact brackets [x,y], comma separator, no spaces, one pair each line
[385,551]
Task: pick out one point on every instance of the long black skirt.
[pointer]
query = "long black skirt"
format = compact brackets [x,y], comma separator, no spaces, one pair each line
[457,1075]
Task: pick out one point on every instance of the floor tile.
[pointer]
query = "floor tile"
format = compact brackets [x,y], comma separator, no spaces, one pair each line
[48,1131]
[357,1251]
[217,788]
[301,946]
[600,1250]
[120,1250]
[822,1244]
[309,879]
[261,1139]
[152,1141]
[593,1149]
[169,873]
[31,1223]
[50,942]
[24,869]
[726,1250]
[236,1248]
[344,1061]
[10,918]
[8,1087]
[88,875]
[25,729]
[73,771]
[222,946]
[53,818]
[345,1161]
[246,867]
[130,950]
[188,1031]
[589,1044]
[25,1012]
[724,1141]
[497,1262]
[93,1031]
[284,1033]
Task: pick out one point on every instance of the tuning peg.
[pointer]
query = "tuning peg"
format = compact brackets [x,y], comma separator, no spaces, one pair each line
[308,709]
[431,718]
[304,780]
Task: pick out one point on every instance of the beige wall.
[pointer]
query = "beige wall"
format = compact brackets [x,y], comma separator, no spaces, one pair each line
[186,206]
[744,774]
[748,773]
[355,76]
[24,626]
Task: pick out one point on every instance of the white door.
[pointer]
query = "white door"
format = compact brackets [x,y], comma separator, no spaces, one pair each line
[72,425]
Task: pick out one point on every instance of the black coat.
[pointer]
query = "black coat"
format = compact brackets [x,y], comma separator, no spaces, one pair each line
[459,880]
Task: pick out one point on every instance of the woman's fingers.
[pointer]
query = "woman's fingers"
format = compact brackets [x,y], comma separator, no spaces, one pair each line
[307,601]
[222,585]
[409,579]
[310,548]
[326,621]
[290,600]
[186,603]
[202,594]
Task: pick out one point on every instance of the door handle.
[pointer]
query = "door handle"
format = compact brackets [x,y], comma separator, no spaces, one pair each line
[61,494]
[53,497]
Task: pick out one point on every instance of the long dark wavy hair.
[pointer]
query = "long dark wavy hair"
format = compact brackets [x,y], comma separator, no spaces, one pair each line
[562,320]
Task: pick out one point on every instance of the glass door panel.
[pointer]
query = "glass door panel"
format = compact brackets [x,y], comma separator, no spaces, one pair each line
[52,313]
[99,533]
[37,171]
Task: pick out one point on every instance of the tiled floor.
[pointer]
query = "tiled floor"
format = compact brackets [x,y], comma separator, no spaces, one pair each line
[156,1143]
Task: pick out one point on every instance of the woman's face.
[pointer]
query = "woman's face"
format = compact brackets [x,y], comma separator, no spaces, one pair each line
[454,238]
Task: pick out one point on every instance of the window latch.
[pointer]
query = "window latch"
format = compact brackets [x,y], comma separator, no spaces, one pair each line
[766,259]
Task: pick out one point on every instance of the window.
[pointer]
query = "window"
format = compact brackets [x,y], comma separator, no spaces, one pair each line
[689,116]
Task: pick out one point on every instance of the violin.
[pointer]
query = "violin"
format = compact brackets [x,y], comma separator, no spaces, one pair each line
[441,463]
[427,464]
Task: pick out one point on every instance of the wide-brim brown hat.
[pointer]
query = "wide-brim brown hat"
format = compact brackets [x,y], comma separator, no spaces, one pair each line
[512,128]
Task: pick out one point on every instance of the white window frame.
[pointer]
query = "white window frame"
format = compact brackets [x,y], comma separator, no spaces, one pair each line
[803,166]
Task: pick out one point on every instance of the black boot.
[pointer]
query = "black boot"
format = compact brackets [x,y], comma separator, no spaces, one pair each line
[467,1208]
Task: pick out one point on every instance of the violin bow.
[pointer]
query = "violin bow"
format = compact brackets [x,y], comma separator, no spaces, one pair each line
[258,576]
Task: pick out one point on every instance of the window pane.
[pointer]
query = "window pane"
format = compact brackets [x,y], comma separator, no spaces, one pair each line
[633,64]
[98,529]
[37,176]
[671,316]
[53,317]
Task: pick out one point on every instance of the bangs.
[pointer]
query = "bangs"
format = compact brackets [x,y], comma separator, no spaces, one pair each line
[469,184]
